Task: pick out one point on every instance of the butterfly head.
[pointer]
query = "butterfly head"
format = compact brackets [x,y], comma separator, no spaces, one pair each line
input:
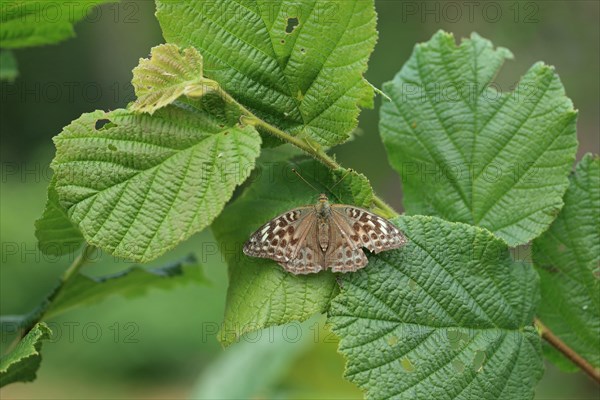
[323,207]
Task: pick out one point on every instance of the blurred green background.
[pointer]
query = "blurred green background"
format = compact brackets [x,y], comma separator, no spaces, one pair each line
[163,345]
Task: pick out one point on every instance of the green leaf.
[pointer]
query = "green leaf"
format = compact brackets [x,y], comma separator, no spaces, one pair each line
[469,153]
[274,349]
[297,65]
[260,292]
[83,290]
[135,281]
[355,186]
[22,363]
[34,23]
[278,157]
[567,258]
[140,184]
[448,316]
[8,66]
[55,232]
[168,74]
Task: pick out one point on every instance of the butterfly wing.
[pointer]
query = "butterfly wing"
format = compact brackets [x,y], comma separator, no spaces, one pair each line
[365,229]
[308,258]
[276,238]
[289,239]
[292,239]
[343,254]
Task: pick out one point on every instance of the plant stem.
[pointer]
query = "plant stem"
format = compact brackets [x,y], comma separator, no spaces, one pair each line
[79,262]
[384,207]
[568,352]
[39,312]
[314,151]
[318,154]
[72,271]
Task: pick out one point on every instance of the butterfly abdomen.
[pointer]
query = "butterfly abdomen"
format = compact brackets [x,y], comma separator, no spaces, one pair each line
[323,234]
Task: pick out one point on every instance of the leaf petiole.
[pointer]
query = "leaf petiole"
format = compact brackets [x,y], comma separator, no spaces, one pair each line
[317,153]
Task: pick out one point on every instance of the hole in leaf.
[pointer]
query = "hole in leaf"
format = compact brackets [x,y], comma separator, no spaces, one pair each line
[282,41]
[459,366]
[101,123]
[412,285]
[112,147]
[478,360]
[303,50]
[226,133]
[457,338]
[292,23]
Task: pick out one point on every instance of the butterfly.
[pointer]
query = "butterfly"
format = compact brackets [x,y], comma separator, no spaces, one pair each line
[312,238]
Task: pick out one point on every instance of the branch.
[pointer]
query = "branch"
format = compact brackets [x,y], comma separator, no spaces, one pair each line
[314,150]
[39,312]
[568,352]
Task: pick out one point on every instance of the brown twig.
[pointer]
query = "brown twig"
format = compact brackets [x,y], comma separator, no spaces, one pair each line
[568,352]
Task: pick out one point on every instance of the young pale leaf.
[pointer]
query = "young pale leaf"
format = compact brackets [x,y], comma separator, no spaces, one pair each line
[139,184]
[22,363]
[260,292]
[8,66]
[168,74]
[448,316]
[133,282]
[469,151]
[567,257]
[55,232]
[35,23]
[297,65]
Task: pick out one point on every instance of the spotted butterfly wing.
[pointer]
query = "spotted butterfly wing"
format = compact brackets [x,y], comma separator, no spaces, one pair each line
[308,257]
[366,229]
[311,238]
[360,228]
[343,254]
[289,239]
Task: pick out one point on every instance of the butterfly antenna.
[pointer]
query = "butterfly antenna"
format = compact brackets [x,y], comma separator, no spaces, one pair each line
[342,178]
[305,181]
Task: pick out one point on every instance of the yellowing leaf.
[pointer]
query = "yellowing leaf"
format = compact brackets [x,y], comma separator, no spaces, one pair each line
[168,74]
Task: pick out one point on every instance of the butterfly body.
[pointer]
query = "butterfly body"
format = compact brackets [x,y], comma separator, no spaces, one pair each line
[323,210]
[309,239]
